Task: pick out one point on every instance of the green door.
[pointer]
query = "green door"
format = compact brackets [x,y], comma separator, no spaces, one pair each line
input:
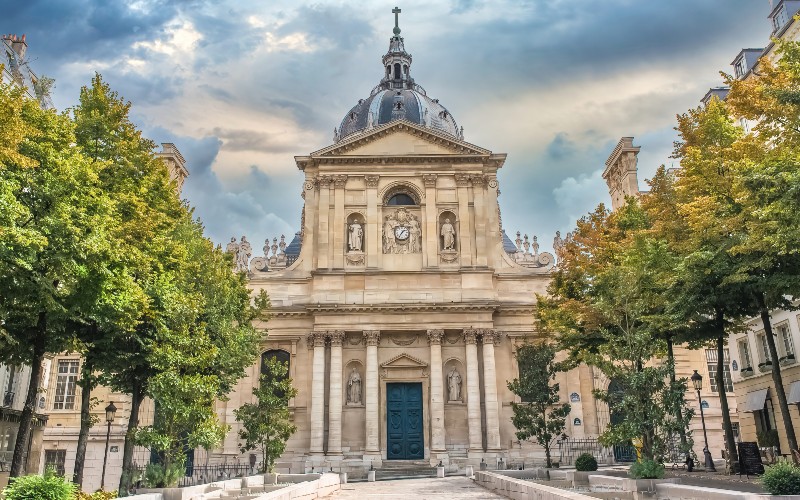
[404,438]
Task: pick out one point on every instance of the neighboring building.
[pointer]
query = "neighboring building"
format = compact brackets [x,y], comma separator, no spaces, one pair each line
[16,70]
[752,366]
[176,164]
[621,178]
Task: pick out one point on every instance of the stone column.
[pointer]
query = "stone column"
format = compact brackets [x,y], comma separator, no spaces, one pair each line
[490,337]
[482,249]
[373,248]
[316,341]
[372,440]
[335,395]
[438,448]
[473,392]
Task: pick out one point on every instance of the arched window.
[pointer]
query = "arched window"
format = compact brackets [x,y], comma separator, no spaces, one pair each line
[278,355]
[401,199]
[405,69]
[397,74]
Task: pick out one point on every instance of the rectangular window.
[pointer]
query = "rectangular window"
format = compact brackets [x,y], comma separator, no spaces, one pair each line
[55,459]
[785,340]
[711,359]
[735,429]
[65,384]
[738,67]
[762,344]
[744,354]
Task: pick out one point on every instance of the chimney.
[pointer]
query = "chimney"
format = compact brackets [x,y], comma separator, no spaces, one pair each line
[19,45]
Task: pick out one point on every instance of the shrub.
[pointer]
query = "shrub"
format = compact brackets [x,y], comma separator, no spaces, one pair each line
[783,478]
[47,487]
[768,439]
[586,462]
[647,469]
[156,476]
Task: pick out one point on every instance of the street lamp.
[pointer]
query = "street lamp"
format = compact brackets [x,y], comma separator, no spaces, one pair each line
[111,411]
[697,382]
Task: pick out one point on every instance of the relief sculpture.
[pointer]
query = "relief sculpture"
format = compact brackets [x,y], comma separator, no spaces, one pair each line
[402,233]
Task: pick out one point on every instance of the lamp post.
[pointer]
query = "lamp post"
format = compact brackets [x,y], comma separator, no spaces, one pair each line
[111,411]
[697,382]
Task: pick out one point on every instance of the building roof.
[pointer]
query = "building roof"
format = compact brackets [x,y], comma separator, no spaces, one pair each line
[397,97]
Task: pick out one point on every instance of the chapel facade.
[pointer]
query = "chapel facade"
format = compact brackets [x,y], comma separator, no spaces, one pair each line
[401,313]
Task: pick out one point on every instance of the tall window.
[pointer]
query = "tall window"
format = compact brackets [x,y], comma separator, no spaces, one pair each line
[65,384]
[785,340]
[744,354]
[55,459]
[762,344]
[711,359]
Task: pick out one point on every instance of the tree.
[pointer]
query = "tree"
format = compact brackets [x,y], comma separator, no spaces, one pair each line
[53,243]
[539,417]
[608,305]
[267,423]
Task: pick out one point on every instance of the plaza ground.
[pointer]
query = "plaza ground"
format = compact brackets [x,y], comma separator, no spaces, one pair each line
[418,489]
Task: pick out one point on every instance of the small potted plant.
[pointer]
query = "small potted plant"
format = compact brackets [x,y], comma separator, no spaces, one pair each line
[786,360]
[746,371]
[766,366]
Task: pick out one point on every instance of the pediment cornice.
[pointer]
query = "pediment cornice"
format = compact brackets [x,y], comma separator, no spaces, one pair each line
[404,361]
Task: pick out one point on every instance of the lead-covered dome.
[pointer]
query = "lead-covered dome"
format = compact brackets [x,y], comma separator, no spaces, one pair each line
[397,97]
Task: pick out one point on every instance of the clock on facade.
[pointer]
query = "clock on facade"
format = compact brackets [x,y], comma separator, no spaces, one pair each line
[401,233]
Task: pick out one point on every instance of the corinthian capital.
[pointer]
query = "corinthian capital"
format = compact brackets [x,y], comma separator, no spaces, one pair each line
[435,336]
[372,180]
[471,335]
[490,336]
[316,339]
[372,337]
[336,336]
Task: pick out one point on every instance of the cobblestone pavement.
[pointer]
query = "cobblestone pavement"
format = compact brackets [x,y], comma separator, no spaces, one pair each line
[416,489]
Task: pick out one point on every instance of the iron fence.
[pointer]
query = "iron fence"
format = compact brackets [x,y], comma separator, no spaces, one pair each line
[202,474]
[571,448]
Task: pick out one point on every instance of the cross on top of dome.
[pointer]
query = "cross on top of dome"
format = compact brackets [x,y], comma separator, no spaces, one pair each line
[396,11]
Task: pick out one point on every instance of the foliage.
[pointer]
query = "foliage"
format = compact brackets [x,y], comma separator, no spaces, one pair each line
[164,475]
[585,462]
[608,302]
[647,469]
[539,418]
[783,478]
[34,487]
[266,424]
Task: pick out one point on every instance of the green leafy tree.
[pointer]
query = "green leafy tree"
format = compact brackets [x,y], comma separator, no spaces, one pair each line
[49,486]
[267,423]
[53,244]
[539,417]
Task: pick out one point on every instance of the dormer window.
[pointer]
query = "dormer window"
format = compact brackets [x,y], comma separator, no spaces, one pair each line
[780,18]
[739,67]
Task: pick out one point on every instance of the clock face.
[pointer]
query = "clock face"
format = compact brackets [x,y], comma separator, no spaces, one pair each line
[401,233]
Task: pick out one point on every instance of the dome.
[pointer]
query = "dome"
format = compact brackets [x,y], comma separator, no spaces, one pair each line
[397,97]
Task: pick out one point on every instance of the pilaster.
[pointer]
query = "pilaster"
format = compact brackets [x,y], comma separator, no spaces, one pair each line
[464,222]
[430,255]
[373,222]
[481,220]
[339,224]
[372,338]
[323,228]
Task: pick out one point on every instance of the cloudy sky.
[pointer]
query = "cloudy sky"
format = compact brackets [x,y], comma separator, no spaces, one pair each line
[242,87]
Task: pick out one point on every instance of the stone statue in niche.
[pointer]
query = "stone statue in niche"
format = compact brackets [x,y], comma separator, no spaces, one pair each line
[354,388]
[243,256]
[355,238]
[448,233]
[414,239]
[454,385]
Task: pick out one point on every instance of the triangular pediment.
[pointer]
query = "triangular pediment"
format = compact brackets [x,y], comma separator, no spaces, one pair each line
[404,361]
[401,138]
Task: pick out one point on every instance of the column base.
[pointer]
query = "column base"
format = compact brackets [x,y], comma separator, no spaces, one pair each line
[372,459]
[439,456]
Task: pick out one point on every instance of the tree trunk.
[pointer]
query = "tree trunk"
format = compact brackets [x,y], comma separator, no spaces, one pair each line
[671,358]
[730,442]
[86,421]
[777,378]
[547,455]
[25,420]
[127,454]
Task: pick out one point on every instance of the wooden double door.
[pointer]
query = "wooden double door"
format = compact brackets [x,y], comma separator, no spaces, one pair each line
[404,425]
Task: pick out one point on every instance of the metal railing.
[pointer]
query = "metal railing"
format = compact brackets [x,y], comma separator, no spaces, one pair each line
[202,474]
[571,448]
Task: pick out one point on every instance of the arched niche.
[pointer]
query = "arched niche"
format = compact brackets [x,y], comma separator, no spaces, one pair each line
[448,231]
[353,383]
[455,383]
[355,233]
